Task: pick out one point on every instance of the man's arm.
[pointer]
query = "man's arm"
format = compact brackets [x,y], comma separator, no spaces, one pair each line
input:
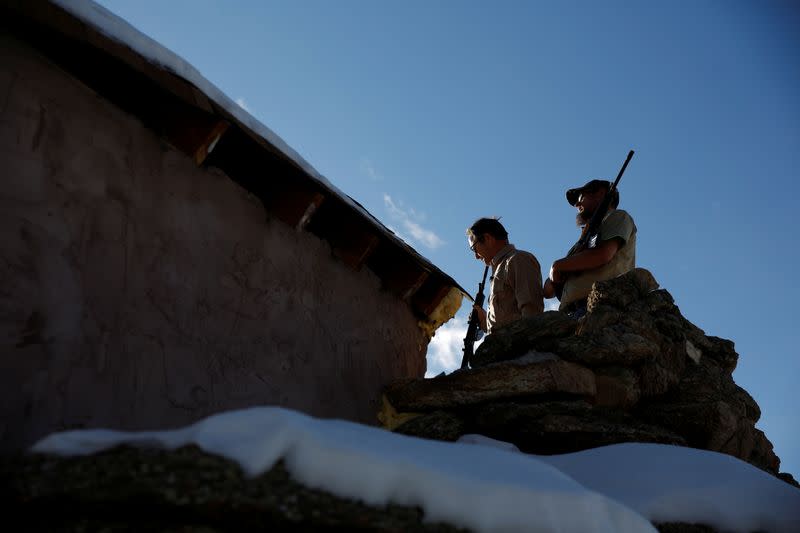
[548,291]
[525,276]
[481,316]
[584,260]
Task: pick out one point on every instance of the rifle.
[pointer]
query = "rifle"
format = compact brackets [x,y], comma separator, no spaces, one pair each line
[591,229]
[474,323]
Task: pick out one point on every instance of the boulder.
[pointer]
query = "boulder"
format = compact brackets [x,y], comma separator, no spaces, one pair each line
[713,413]
[438,425]
[617,344]
[523,377]
[563,427]
[623,291]
[617,386]
[633,369]
[132,489]
[539,333]
[129,489]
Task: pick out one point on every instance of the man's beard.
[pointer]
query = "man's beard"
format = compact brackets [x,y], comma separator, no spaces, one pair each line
[582,218]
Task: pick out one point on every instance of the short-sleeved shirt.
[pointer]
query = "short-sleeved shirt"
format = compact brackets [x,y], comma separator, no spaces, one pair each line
[516,282]
[617,224]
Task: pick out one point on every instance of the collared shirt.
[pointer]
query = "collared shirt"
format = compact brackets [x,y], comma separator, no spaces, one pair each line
[516,282]
[616,224]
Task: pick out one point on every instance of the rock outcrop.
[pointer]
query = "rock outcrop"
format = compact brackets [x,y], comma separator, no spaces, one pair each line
[132,489]
[187,490]
[633,369]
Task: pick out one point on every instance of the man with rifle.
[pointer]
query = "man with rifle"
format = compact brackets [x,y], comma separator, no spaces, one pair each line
[516,288]
[606,249]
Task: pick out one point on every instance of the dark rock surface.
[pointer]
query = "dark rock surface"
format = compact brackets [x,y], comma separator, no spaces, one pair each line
[541,333]
[563,427]
[527,376]
[438,425]
[655,376]
[128,489]
[632,370]
[132,489]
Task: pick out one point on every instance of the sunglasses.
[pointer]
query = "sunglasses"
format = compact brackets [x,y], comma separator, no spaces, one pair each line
[474,244]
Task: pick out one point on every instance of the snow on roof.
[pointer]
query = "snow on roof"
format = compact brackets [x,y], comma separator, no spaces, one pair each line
[483,484]
[114,27]
[118,29]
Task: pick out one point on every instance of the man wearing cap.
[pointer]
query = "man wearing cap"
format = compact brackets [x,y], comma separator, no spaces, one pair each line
[516,289]
[610,253]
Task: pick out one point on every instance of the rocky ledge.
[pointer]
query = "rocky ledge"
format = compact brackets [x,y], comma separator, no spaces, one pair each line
[633,369]
[132,489]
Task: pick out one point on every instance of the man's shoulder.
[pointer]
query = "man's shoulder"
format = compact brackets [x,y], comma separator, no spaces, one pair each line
[618,217]
[522,255]
[617,223]
[619,214]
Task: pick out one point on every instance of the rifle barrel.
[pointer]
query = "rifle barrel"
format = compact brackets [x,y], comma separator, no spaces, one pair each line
[622,170]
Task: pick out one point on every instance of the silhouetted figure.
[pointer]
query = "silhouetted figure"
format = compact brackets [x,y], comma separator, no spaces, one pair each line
[607,254]
[516,288]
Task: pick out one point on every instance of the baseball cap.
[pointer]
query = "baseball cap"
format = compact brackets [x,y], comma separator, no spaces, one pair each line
[592,185]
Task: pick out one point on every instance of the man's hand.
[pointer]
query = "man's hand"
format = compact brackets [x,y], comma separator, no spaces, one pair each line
[548,291]
[556,274]
[481,313]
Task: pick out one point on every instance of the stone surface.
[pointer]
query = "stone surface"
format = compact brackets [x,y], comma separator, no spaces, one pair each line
[788,478]
[539,333]
[657,378]
[623,291]
[614,345]
[711,412]
[185,490]
[127,489]
[563,427]
[438,425]
[616,387]
[681,394]
[498,381]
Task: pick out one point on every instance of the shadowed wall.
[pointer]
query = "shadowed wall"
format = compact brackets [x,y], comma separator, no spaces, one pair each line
[141,291]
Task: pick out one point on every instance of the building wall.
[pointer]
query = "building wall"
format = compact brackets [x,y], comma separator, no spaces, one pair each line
[140,291]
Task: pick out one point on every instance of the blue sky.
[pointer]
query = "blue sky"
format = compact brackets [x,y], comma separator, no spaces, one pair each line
[434,113]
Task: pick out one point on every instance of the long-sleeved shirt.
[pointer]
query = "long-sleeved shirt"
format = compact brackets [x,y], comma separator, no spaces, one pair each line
[516,282]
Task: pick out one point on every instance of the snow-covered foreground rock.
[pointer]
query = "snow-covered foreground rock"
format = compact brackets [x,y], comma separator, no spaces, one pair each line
[677,484]
[618,488]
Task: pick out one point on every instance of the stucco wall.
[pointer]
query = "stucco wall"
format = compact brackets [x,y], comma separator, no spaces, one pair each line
[140,291]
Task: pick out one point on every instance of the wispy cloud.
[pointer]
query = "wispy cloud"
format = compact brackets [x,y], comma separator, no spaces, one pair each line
[241,103]
[410,221]
[446,347]
[369,169]
[399,234]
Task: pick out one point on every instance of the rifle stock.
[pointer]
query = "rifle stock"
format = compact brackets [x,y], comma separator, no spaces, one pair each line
[472,327]
[594,223]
